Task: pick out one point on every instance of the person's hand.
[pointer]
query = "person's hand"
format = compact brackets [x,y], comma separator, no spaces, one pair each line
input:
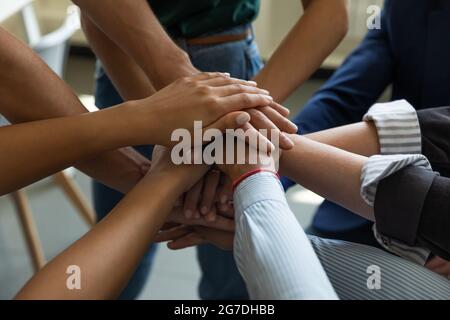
[245,160]
[210,196]
[216,190]
[162,167]
[213,98]
[181,237]
[440,266]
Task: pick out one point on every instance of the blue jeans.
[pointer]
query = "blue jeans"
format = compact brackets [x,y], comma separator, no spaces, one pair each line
[220,277]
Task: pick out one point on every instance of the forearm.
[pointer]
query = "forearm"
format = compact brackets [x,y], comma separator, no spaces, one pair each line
[124,235]
[41,148]
[311,40]
[127,76]
[133,27]
[330,172]
[30,91]
[360,138]
[271,249]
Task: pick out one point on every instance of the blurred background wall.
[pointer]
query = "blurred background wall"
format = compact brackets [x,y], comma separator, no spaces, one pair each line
[276,18]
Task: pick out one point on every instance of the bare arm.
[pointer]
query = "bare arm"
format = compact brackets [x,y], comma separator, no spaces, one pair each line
[128,77]
[124,235]
[54,144]
[329,163]
[30,91]
[132,26]
[316,34]
[360,138]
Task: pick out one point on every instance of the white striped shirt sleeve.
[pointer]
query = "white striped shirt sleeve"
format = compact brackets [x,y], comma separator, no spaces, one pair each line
[400,145]
[397,127]
[272,252]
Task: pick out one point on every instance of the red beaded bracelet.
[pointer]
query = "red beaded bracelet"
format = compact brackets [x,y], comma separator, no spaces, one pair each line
[251,173]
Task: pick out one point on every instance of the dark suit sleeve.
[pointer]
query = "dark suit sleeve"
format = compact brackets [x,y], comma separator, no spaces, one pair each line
[354,87]
[413,205]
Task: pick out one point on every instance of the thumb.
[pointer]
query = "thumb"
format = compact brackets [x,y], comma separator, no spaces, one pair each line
[231,120]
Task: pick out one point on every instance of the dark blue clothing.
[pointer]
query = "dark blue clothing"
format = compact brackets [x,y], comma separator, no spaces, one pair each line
[410,52]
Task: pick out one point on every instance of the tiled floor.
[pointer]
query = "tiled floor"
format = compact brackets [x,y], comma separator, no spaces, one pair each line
[175,274]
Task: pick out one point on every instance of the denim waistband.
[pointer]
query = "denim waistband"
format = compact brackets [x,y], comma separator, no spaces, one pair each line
[229,31]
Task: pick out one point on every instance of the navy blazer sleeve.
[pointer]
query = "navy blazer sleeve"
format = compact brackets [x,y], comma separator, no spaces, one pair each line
[354,87]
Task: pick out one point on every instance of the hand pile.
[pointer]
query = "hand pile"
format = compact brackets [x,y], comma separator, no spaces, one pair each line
[205,210]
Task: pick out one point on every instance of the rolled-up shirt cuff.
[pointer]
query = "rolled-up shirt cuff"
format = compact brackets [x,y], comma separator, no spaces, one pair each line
[397,127]
[380,167]
[416,254]
[262,186]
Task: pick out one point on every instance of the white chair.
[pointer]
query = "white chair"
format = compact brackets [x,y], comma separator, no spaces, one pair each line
[53,49]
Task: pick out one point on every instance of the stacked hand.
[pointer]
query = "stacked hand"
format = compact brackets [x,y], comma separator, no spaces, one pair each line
[220,102]
[215,99]
[183,232]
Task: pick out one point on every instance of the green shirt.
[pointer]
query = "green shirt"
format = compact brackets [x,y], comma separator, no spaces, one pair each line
[191,18]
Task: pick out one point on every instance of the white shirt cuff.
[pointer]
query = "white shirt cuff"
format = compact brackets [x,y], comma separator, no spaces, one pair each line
[397,127]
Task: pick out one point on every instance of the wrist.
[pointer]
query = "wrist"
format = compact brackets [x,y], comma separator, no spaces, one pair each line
[243,177]
[170,179]
[172,67]
[136,122]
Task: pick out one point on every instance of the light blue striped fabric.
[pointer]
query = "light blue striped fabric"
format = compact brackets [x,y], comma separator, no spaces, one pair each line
[346,265]
[271,250]
[278,261]
[397,126]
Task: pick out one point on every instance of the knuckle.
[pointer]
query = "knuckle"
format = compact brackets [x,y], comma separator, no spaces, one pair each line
[246,99]
[204,90]
[185,81]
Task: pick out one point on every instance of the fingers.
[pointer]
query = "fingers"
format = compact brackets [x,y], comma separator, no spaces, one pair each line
[260,121]
[280,109]
[435,262]
[443,270]
[211,183]
[231,120]
[172,234]
[243,101]
[200,235]
[191,201]
[439,266]
[219,223]
[222,239]
[225,193]
[224,81]
[254,138]
[203,76]
[187,241]
[237,88]
[280,121]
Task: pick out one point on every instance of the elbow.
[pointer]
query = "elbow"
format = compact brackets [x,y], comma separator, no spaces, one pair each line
[333,15]
[341,18]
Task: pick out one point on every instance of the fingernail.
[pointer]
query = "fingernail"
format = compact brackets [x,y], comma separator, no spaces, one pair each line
[242,119]
[188,214]
[211,218]
[252,83]
[204,210]
[226,74]
[269,97]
